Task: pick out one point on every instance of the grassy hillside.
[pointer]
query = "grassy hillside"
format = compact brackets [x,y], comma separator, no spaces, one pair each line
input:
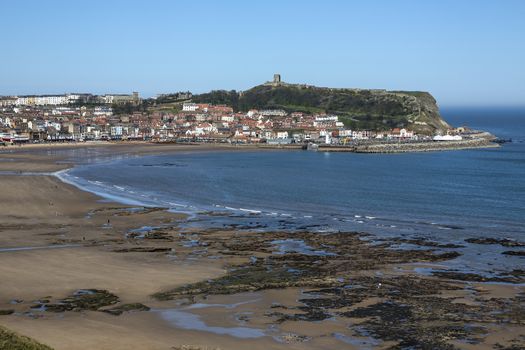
[358,108]
[12,341]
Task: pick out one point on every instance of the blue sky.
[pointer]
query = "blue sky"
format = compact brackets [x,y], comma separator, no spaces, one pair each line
[464,52]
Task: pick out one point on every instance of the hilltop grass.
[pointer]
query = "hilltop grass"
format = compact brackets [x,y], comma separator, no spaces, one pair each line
[12,341]
[303,109]
[357,108]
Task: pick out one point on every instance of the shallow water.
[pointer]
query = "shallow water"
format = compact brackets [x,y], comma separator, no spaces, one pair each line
[58,246]
[285,246]
[181,318]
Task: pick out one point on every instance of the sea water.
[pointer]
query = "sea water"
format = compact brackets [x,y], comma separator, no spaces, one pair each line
[442,196]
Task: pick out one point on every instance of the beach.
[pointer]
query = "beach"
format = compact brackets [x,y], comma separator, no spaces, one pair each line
[81,272]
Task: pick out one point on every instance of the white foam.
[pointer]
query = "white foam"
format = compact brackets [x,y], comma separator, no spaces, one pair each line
[177,205]
[250,210]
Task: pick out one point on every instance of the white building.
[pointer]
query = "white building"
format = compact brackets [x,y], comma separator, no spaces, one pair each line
[51,100]
[273,112]
[108,99]
[73,98]
[345,133]
[7,101]
[252,112]
[54,125]
[327,118]
[117,130]
[189,107]
[401,134]
[406,134]
[228,118]
[201,117]
[6,122]
[103,110]
[361,134]
[202,129]
[447,138]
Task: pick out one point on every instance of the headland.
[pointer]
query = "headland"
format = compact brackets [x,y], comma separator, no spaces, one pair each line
[273,114]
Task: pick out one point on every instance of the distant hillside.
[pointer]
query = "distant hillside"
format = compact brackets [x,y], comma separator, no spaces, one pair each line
[358,108]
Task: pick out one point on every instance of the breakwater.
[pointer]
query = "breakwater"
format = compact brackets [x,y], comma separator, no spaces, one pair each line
[394,147]
[400,147]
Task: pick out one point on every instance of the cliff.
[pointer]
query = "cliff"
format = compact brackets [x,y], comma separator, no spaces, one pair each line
[357,108]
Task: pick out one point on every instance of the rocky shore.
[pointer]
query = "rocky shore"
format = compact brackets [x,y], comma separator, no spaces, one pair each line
[429,146]
[123,277]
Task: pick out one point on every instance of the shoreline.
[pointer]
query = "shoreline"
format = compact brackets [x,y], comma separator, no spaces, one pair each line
[483,142]
[161,268]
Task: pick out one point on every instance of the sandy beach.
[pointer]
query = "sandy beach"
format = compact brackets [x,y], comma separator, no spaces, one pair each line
[67,258]
[56,239]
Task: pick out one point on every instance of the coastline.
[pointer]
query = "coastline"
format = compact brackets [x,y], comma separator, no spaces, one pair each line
[426,147]
[481,140]
[166,267]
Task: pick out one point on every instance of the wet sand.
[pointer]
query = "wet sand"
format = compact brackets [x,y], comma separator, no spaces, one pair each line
[267,308]
[40,212]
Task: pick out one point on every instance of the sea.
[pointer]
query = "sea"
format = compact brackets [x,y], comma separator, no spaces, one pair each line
[444,196]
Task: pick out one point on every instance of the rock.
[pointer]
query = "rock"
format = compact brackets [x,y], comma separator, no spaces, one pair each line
[514,253]
[473,277]
[83,299]
[119,310]
[505,242]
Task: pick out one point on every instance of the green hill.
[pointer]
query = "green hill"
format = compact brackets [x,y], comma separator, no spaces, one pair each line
[12,341]
[357,108]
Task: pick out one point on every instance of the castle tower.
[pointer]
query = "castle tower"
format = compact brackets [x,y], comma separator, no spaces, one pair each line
[277,78]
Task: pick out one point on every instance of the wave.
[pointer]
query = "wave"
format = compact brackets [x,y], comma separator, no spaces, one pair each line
[250,211]
[100,190]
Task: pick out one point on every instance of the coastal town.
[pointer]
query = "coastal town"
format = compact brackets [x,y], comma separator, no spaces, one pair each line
[87,117]
[262,175]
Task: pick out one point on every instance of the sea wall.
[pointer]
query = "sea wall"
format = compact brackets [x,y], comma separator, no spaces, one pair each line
[395,147]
